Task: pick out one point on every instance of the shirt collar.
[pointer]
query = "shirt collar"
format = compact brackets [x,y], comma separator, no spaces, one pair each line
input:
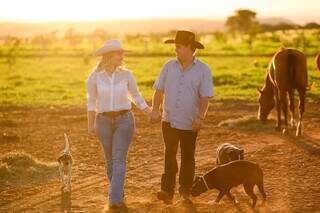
[117,70]
[194,62]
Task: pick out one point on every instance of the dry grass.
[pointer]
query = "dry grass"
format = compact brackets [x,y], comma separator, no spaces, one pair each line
[20,168]
[250,123]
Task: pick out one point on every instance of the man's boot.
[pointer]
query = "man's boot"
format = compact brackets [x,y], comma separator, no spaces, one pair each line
[167,189]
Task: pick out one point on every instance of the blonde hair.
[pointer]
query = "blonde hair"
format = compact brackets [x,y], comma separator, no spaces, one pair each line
[104,61]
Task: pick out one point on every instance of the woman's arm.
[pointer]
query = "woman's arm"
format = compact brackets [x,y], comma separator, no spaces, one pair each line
[91,101]
[136,97]
[91,122]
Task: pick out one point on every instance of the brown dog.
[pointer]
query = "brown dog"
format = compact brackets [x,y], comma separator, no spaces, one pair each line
[229,175]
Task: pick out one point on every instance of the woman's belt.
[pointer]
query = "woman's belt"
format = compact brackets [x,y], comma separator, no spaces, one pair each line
[113,114]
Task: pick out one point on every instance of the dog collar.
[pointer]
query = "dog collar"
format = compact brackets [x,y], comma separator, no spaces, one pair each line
[205,183]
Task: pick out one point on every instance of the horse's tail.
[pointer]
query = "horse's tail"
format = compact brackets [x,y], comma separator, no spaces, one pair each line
[291,66]
[318,61]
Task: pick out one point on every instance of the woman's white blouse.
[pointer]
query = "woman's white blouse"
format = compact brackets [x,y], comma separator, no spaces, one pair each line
[113,93]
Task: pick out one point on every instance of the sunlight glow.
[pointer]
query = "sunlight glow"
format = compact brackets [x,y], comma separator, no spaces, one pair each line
[72,10]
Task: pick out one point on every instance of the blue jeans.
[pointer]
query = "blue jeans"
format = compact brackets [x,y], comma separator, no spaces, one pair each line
[115,135]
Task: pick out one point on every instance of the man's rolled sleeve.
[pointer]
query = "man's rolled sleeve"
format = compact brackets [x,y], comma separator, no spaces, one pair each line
[206,86]
[159,84]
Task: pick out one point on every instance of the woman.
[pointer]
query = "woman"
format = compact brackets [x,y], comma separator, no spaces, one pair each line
[110,91]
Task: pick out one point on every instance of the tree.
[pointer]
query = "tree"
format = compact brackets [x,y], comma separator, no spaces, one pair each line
[242,21]
[312,25]
[232,24]
[220,37]
[72,38]
[100,34]
[13,44]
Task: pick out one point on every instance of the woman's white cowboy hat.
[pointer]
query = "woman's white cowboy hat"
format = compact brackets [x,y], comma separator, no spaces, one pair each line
[110,46]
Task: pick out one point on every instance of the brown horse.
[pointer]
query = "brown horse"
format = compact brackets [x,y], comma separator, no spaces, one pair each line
[318,61]
[286,72]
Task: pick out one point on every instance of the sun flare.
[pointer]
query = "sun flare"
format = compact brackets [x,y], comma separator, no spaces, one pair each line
[60,10]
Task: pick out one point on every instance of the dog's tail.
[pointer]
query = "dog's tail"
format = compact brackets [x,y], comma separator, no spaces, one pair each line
[66,144]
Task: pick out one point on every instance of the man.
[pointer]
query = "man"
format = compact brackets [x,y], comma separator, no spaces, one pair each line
[186,84]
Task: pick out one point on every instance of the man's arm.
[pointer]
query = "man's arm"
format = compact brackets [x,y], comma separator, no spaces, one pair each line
[157,100]
[156,103]
[203,107]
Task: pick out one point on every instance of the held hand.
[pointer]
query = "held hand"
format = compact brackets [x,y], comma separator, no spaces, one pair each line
[155,116]
[197,124]
[147,111]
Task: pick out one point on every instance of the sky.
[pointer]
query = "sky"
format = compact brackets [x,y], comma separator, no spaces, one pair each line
[299,11]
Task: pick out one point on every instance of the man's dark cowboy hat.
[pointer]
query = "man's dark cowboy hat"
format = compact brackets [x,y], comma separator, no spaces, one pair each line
[185,37]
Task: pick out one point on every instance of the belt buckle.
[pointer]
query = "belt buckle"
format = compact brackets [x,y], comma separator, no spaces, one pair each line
[114,114]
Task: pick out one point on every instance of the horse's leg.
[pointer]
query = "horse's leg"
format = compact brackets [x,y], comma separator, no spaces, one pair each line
[278,105]
[284,106]
[291,105]
[302,96]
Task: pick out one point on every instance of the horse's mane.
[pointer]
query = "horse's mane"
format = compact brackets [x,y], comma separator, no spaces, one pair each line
[267,88]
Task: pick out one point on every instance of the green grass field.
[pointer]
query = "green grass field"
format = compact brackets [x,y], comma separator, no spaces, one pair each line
[47,71]
[61,80]
[216,43]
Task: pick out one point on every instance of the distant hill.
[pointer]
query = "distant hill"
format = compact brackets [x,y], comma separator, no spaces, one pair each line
[121,27]
[275,21]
